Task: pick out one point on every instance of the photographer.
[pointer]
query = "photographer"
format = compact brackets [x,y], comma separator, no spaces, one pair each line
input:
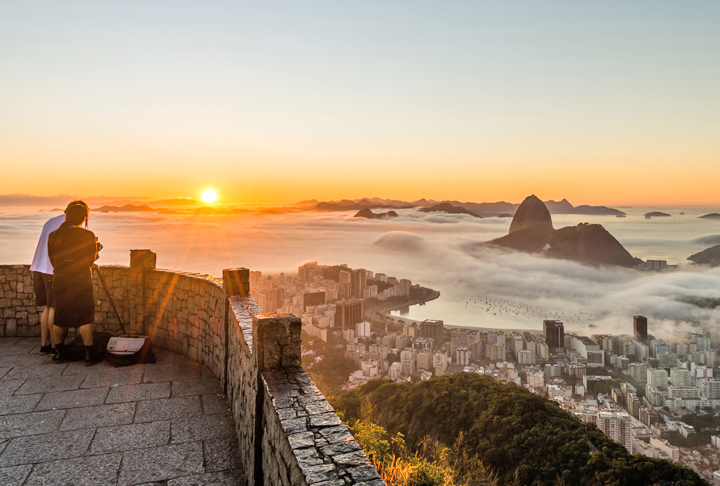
[73,251]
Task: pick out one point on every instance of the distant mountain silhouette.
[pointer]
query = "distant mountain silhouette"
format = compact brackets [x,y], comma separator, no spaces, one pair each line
[656,214]
[367,213]
[479,209]
[176,201]
[349,205]
[711,216]
[128,208]
[710,256]
[531,231]
[446,207]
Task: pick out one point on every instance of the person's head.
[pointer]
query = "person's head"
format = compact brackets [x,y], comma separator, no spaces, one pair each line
[76,213]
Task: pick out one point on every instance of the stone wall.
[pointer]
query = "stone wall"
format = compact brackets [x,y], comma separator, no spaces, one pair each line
[185,312]
[287,431]
[19,316]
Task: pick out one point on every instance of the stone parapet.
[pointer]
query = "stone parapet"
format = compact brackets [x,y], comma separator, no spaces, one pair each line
[19,316]
[287,431]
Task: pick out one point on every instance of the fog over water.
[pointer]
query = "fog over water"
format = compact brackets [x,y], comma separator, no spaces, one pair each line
[480,286]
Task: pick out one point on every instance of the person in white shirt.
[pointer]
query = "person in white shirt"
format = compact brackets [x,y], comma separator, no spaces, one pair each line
[42,272]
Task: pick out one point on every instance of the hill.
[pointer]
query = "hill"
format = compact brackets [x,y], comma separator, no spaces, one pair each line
[532,231]
[710,256]
[446,207]
[367,213]
[657,214]
[513,432]
[710,216]
[532,212]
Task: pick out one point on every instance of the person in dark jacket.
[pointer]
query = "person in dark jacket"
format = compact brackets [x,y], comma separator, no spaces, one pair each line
[72,251]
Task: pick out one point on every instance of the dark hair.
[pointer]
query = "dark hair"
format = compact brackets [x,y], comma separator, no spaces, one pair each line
[76,212]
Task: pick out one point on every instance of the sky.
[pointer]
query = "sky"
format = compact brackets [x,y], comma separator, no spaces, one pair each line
[275,102]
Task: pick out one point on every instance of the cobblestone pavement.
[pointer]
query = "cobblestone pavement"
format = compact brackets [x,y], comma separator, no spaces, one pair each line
[71,425]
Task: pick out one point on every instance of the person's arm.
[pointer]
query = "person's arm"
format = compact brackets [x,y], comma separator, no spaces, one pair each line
[90,251]
[51,249]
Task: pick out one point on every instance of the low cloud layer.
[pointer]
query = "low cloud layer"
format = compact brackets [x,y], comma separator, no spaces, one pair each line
[480,285]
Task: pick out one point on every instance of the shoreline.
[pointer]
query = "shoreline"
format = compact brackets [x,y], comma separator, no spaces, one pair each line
[383,310]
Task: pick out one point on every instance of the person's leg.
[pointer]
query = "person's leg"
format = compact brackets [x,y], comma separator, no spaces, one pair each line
[51,321]
[59,334]
[44,327]
[42,299]
[87,336]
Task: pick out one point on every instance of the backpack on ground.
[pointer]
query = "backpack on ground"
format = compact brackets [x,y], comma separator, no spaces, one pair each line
[75,351]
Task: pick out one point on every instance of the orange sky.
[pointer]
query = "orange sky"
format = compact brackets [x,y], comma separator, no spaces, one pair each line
[479,102]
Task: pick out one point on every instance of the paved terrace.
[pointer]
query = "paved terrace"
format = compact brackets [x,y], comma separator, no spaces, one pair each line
[68,424]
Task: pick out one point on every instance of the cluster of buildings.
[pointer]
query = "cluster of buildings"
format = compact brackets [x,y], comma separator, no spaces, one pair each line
[634,388]
[327,298]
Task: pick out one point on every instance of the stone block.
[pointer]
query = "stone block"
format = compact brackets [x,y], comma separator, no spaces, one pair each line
[141,391]
[14,475]
[350,459]
[18,404]
[215,403]
[195,387]
[363,473]
[98,416]
[168,409]
[318,473]
[46,447]
[83,471]
[128,437]
[30,423]
[161,463]
[119,376]
[273,337]
[202,427]
[224,478]
[301,440]
[141,260]
[9,386]
[50,384]
[236,282]
[222,454]
[324,420]
[72,399]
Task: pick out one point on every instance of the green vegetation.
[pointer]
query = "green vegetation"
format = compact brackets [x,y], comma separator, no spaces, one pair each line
[522,438]
[326,364]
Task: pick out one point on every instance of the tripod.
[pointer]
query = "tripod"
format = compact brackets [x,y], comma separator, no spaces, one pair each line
[107,292]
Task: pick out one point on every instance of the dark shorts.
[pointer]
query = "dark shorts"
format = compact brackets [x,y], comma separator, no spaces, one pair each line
[42,282]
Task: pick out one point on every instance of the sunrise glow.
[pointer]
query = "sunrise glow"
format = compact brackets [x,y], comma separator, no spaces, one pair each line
[209,196]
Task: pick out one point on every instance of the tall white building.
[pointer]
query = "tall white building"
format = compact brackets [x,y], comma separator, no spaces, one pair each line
[617,426]
[657,377]
[680,377]
[363,329]
[525,356]
[462,355]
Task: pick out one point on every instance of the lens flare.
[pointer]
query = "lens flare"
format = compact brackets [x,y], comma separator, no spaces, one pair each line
[209,196]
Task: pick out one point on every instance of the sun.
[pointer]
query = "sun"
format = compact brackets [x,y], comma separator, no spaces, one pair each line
[209,196]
